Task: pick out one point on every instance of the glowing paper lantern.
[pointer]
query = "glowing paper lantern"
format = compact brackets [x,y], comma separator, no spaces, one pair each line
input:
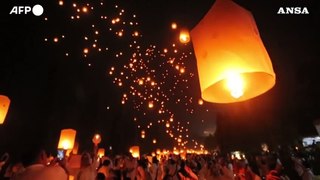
[96,139]
[135,151]
[184,36]
[101,152]
[233,64]
[4,106]
[67,138]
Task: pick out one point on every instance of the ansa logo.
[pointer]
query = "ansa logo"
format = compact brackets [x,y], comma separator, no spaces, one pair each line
[293,10]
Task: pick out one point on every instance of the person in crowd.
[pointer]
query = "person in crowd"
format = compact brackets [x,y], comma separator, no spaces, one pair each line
[35,162]
[275,169]
[100,176]
[142,172]
[154,168]
[303,168]
[171,170]
[87,168]
[105,168]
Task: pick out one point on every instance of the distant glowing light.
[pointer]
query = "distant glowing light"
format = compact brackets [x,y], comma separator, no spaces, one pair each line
[85,50]
[200,102]
[174,25]
[55,39]
[154,141]
[150,104]
[61,3]
[84,9]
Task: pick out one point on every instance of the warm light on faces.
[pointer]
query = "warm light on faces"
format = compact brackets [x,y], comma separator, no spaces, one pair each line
[235,84]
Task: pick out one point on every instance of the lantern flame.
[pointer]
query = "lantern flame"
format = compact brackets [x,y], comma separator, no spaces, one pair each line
[235,85]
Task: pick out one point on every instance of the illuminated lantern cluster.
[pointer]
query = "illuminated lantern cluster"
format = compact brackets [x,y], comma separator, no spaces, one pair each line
[233,64]
[4,106]
[67,139]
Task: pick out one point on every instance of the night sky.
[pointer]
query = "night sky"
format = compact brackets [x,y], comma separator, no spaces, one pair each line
[55,85]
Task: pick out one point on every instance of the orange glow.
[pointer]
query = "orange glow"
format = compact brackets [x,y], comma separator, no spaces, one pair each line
[233,64]
[174,25]
[61,3]
[55,39]
[4,107]
[143,134]
[150,104]
[154,141]
[96,139]
[184,36]
[84,9]
[135,151]
[67,138]
[101,152]
[75,148]
[86,50]
[235,84]
[200,102]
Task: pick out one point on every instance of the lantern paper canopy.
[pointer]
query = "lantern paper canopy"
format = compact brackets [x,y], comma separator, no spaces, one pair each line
[96,139]
[101,152]
[67,138]
[135,151]
[233,64]
[4,106]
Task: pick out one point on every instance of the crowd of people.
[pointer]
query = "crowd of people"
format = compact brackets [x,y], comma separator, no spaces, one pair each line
[36,165]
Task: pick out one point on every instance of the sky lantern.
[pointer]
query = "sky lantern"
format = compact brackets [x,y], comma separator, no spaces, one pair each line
[135,151]
[143,134]
[4,107]
[101,152]
[184,36]
[96,139]
[233,64]
[174,25]
[67,138]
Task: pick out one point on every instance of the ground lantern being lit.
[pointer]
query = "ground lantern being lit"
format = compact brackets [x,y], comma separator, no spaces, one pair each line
[233,64]
[67,139]
[4,106]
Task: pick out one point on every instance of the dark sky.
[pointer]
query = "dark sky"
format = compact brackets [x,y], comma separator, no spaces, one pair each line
[49,92]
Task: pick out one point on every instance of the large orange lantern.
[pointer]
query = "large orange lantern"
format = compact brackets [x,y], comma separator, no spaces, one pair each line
[4,106]
[67,139]
[233,64]
[135,151]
